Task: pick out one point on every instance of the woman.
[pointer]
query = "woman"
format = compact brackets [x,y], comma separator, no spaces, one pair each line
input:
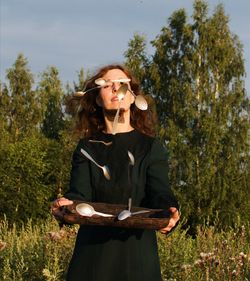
[113,253]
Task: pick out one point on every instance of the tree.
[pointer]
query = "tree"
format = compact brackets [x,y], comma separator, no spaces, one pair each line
[137,58]
[21,103]
[50,89]
[196,75]
[24,193]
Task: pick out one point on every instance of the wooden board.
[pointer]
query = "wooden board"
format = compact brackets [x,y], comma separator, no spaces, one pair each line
[154,219]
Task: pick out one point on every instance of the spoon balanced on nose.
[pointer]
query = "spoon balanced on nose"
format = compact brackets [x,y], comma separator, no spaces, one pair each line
[121,92]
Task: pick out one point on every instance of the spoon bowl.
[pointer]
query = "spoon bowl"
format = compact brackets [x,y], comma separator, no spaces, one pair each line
[141,102]
[82,93]
[102,82]
[131,158]
[126,214]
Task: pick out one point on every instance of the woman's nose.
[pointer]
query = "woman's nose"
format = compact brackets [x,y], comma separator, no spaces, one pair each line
[115,86]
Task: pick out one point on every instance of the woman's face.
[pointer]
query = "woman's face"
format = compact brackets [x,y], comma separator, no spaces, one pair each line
[108,98]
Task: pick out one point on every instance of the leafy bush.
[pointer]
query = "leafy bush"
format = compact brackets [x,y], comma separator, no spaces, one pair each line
[35,252]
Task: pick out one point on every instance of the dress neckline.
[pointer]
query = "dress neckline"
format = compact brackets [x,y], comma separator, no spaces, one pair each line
[119,134]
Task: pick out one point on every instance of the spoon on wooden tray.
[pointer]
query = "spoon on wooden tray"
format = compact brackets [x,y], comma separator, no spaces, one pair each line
[87,210]
[127,213]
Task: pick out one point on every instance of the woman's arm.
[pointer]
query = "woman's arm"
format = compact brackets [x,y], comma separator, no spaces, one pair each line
[79,187]
[158,191]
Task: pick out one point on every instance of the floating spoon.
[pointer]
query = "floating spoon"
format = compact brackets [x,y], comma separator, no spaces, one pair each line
[131,163]
[100,82]
[121,92]
[81,93]
[104,168]
[103,82]
[140,101]
[87,210]
[131,158]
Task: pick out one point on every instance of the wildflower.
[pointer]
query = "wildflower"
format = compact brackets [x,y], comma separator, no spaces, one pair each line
[2,245]
[242,255]
[186,266]
[56,235]
[46,272]
[199,262]
[234,273]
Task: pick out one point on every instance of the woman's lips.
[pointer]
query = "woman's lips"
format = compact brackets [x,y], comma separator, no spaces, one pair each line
[114,99]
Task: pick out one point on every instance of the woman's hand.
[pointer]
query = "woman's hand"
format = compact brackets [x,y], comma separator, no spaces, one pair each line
[174,218]
[56,207]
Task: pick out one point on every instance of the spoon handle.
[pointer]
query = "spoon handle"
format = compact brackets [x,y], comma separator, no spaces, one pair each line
[114,129]
[129,204]
[102,214]
[140,212]
[85,153]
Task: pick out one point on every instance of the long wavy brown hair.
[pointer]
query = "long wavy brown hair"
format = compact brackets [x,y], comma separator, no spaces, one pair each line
[89,116]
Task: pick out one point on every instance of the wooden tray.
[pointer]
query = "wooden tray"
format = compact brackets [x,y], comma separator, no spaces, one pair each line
[154,219]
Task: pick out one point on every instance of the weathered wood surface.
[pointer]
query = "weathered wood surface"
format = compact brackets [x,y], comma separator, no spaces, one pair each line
[154,219]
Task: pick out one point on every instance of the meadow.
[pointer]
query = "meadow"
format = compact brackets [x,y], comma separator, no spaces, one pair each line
[41,252]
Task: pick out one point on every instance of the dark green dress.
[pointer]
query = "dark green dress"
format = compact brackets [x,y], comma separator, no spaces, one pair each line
[110,253]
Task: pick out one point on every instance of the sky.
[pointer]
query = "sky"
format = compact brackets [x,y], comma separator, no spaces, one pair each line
[88,34]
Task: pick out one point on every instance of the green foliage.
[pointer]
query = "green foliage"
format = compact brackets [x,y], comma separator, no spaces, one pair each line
[196,76]
[23,192]
[35,164]
[33,172]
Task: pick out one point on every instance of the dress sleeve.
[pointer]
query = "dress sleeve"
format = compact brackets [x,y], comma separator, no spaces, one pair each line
[80,181]
[158,191]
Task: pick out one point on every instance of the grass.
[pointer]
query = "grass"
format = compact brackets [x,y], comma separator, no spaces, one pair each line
[42,252]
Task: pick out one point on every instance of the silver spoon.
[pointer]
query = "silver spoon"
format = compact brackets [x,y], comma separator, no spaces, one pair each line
[131,158]
[104,168]
[103,142]
[81,93]
[103,82]
[87,210]
[140,101]
[121,92]
[100,82]
[131,163]
[126,214]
